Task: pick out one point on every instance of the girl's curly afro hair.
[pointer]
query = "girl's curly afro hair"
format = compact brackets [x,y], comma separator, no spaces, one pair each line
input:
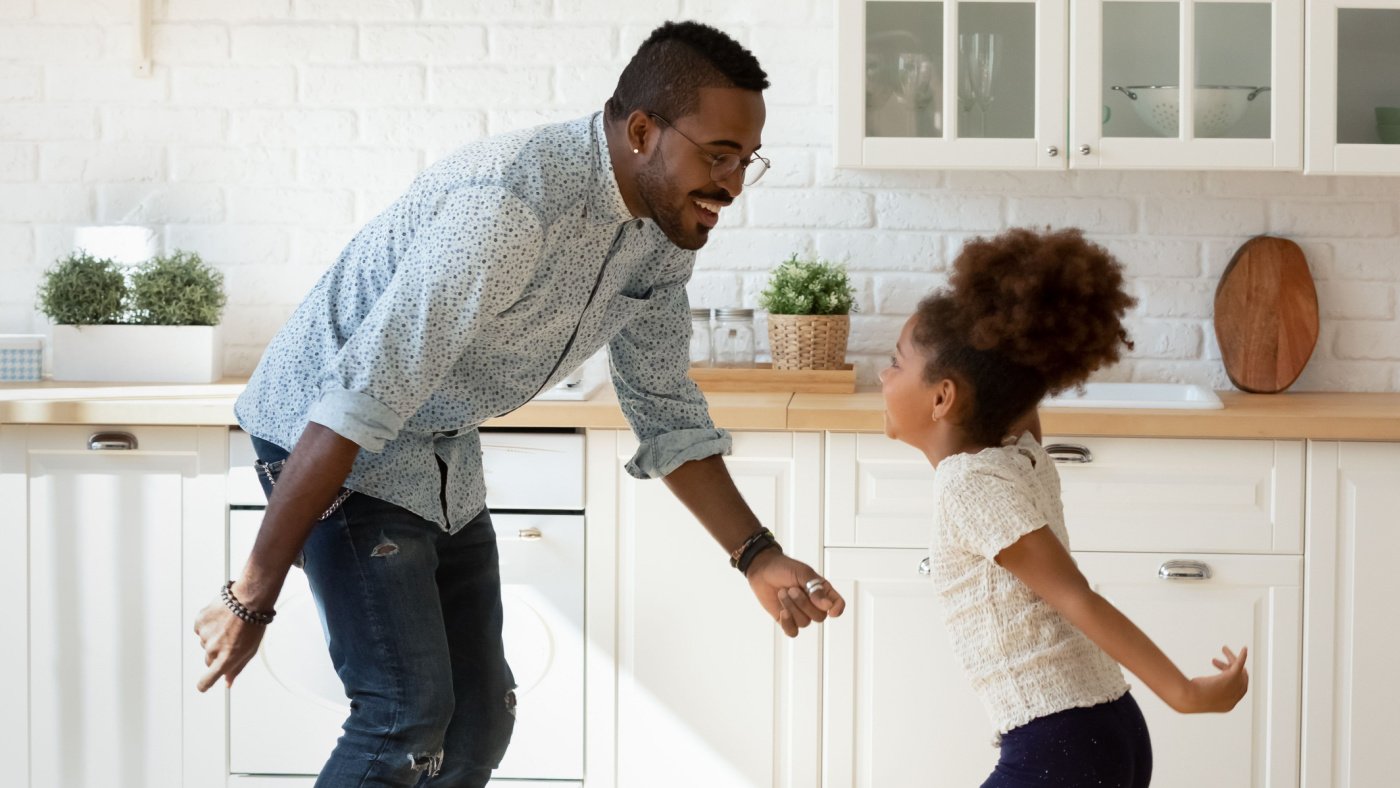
[1026,314]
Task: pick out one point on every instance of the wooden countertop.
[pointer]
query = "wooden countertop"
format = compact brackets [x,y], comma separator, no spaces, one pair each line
[211,404]
[1313,415]
[1318,416]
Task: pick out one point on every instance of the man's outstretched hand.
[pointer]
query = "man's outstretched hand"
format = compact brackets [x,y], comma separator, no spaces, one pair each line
[781,585]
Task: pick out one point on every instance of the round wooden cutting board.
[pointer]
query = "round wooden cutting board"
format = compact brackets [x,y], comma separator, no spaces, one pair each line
[1266,317]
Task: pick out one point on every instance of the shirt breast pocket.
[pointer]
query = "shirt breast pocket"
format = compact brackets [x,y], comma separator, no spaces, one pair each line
[622,308]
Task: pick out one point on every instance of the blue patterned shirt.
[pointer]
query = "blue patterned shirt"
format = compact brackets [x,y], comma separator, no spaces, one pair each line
[500,270]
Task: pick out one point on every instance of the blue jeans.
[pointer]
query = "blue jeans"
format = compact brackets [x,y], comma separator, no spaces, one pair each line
[1105,745]
[412,617]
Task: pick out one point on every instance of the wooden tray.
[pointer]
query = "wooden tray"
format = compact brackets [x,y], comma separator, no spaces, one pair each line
[763,377]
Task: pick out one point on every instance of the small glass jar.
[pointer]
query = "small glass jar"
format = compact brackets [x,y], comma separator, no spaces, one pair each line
[701,354]
[734,338]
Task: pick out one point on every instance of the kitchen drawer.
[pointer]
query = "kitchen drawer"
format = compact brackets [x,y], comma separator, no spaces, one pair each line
[879,492]
[1132,495]
[243,486]
[1160,494]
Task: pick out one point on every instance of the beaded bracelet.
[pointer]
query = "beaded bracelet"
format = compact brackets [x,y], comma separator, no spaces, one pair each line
[245,613]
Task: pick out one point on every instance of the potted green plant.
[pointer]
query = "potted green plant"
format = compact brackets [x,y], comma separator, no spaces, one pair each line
[809,302]
[159,324]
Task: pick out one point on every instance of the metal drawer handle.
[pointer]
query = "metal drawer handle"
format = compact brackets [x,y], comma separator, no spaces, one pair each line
[111,441]
[1069,452]
[1184,570]
[530,535]
[924,569]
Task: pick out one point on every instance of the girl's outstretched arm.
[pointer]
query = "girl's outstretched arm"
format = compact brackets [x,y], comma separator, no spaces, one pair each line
[1040,561]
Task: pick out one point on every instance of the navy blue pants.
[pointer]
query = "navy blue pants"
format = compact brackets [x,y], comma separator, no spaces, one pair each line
[1104,745]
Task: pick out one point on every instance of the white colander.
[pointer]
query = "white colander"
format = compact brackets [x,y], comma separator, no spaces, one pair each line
[1218,107]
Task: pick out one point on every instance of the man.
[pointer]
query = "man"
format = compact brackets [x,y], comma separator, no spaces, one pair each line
[501,269]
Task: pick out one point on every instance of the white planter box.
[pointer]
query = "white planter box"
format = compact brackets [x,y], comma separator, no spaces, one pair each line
[138,354]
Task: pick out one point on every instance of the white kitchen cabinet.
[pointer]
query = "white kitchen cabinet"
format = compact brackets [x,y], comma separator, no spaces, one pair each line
[898,711]
[1351,689]
[1120,494]
[704,689]
[1248,600]
[1013,84]
[114,541]
[1353,57]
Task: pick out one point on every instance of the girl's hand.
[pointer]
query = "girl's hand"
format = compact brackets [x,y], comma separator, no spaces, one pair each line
[1218,693]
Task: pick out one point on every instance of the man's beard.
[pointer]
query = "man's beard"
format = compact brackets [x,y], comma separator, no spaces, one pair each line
[655,192]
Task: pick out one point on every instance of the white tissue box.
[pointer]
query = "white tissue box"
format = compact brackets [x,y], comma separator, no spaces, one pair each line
[21,357]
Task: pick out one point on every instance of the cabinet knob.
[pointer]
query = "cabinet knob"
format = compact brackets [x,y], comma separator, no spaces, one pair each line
[1184,570]
[530,535]
[111,441]
[1052,151]
[1069,452]
[924,569]
[1085,150]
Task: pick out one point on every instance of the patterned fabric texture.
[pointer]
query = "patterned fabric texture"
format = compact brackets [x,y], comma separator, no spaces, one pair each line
[1025,660]
[500,270]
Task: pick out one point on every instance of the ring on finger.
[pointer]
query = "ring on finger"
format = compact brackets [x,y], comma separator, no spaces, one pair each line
[814,585]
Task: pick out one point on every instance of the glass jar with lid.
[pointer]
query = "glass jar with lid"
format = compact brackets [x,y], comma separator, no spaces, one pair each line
[733,338]
[700,339]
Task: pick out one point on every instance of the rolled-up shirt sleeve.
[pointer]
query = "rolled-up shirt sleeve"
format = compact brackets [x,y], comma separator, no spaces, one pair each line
[665,408]
[468,260]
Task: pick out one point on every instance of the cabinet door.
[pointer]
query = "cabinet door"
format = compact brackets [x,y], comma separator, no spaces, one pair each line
[878,492]
[1351,687]
[1247,600]
[1204,84]
[106,537]
[1353,116]
[708,690]
[897,710]
[956,83]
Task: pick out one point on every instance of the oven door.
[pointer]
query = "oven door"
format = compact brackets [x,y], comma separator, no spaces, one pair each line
[286,707]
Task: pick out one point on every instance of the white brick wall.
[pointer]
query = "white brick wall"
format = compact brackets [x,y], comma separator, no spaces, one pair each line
[271,128]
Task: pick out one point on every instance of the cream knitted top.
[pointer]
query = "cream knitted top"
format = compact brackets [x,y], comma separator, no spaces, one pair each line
[1025,659]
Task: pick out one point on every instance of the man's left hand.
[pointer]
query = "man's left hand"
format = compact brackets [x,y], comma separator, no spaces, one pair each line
[792,592]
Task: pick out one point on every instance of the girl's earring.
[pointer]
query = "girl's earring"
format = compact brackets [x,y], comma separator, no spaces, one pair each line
[635,150]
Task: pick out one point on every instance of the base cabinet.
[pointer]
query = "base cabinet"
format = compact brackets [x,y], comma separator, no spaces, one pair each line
[111,534]
[898,711]
[1352,689]
[708,691]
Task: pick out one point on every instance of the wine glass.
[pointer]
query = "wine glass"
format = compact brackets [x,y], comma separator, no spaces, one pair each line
[916,76]
[977,56]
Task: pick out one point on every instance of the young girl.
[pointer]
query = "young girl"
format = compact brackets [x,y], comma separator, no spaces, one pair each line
[1028,314]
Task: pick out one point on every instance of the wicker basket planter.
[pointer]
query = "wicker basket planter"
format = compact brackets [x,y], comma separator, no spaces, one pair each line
[808,341]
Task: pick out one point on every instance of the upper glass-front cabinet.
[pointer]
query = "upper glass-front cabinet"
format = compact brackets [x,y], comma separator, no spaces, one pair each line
[1353,87]
[960,83]
[1202,84]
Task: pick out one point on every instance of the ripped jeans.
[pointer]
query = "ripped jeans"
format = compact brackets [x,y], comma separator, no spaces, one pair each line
[412,617]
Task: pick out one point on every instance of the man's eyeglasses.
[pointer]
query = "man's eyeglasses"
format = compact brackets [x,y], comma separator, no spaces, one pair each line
[723,165]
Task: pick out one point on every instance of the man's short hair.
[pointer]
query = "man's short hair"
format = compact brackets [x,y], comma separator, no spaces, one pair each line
[676,60]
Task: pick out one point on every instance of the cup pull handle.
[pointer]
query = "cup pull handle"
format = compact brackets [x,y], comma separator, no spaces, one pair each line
[1069,452]
[111,441]
[530,535]
[1184,570]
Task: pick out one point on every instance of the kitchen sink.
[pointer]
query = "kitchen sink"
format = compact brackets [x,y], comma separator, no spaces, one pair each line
[1177,396]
